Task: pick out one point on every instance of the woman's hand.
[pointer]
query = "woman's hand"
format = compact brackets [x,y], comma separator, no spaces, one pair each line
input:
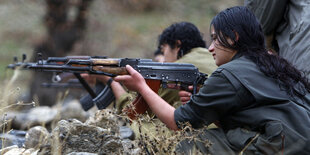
[185,96]
[134,81]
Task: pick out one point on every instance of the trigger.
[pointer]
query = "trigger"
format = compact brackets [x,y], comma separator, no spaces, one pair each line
[56,78]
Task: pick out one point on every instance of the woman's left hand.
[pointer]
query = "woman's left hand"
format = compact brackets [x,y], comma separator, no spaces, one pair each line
[134,81]
[185,96]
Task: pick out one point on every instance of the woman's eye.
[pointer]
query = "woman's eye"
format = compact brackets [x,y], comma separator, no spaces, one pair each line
[213,36]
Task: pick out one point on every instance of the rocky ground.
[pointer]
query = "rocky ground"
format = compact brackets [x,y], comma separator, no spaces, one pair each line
[67,129]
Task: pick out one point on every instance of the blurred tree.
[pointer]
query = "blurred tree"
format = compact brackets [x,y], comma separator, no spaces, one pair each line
[65,21]
[138,5]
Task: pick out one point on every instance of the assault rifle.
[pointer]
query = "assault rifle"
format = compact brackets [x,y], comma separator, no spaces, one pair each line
[156,74]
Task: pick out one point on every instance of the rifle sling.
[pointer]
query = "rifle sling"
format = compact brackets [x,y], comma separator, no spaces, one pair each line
[85,85]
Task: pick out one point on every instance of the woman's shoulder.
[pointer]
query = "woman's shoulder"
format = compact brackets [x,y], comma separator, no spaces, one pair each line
[241,67]
[240,63]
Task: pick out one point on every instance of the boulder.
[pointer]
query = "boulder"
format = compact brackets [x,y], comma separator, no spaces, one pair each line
[36,137]
[75,136]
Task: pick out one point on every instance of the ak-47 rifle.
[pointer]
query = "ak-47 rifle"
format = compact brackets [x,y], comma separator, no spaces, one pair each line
[172,75]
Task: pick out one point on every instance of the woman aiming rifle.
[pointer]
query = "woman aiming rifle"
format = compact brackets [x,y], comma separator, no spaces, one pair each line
[260,100]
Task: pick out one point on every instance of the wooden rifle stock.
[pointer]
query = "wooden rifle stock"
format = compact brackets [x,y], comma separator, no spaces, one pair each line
[139,105]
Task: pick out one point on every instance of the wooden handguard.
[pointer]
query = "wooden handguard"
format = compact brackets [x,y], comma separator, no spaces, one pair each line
[108,62]
[139,105]
[112,70]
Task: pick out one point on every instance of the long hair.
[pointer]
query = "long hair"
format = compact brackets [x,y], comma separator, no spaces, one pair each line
[186,32]
[241,26]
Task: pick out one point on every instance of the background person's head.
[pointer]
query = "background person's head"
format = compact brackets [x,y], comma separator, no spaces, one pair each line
[178,39]
[159,56]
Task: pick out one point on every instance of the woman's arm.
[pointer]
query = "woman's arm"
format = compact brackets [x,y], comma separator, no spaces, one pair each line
[160,107]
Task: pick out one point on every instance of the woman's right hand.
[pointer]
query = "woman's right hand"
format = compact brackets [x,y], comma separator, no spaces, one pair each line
[134,81]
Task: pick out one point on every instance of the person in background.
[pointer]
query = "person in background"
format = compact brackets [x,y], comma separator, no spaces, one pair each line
[286,25]
[260,101]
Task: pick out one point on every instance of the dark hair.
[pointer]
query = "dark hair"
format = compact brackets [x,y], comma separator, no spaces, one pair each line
[158,52]
[243,28]
[186,32]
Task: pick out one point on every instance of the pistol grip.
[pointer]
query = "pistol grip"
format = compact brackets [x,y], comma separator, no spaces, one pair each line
[139,105]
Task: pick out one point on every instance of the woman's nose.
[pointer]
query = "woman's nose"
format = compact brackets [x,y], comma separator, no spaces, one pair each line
[211,47]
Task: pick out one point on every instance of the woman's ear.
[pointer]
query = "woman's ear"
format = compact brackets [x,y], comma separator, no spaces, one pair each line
[232,41]
[178,43]
[237,36]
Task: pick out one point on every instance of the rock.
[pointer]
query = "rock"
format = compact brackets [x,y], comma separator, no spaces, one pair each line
[13,137]
[46,115]
[6,149]
[41,115]
[126,133]
[82,153]
[16,118]
[36,137]
[15,151]
[130,147]
[107,119]
[75,136]
[73,109]
[19,151]
[33,117]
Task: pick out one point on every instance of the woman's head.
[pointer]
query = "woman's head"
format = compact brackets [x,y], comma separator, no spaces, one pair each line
[237,29]
[178,39]
[220,53]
